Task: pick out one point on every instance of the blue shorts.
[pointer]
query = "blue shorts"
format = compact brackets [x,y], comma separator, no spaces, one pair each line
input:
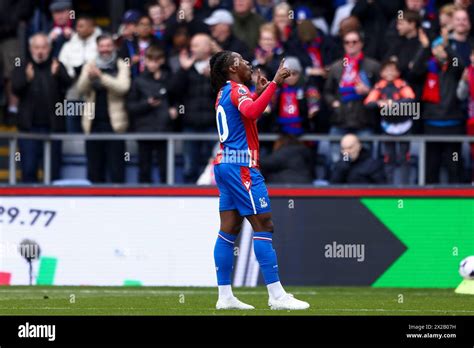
[241,188]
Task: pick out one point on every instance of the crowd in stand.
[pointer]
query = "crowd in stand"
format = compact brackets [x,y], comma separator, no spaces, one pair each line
[359,67]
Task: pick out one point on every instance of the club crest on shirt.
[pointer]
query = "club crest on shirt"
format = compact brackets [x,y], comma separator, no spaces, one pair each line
[242,91]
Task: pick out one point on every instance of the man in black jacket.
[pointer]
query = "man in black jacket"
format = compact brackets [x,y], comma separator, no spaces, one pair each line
[191,84]
[441,69]
[149,110]
[356,165]
[41,86]
[404,45]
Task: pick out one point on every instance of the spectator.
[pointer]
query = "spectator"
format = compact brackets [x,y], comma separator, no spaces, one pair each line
[186,16]
[39,84]
[466,5]
[221,22]
[347,25]
[292,105]
[458,40]
[75,53]
[349,81]
[150,112]
[404,47]
[156,13]
[180,40]
[446,17]
[126,37]
[169,8]
[375,16]
[465,91]
[314,50]
[265,9]
[269,51]
[428,19]
[104,82]
[442,112]
[356,165]
[192,86]
[12,12]
[291,162]
[282,18]
[63,24]
[134,52]
[388,92]
[247,23]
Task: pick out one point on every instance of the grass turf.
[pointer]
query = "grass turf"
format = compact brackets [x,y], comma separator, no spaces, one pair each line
[21,300]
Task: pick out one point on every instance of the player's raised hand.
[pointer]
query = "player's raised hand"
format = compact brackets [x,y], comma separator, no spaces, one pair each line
[282,73]
[261,83]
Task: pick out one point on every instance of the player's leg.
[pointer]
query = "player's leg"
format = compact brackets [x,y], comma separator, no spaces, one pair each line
[267,259]
[230,226]
[262,225]
[224,251]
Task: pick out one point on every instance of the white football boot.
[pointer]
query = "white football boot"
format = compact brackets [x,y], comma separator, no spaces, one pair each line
[232,303]
[287,302]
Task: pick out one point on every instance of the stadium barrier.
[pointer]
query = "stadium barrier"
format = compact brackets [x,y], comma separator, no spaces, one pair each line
[363,236]
[172,138]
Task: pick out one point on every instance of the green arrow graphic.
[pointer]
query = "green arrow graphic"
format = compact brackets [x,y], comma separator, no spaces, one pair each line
[438,234]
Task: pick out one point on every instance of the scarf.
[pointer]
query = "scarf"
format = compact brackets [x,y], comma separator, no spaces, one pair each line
[69,24]
[313,49]
[106,63]
[431,89]
[289,116]
[351,76]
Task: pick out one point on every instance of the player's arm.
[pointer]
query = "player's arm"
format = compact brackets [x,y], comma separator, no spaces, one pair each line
[254,108]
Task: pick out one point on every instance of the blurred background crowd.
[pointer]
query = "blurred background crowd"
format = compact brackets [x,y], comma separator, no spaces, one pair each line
[124,66]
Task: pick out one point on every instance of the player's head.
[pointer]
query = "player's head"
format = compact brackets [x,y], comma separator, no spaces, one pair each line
[228,65]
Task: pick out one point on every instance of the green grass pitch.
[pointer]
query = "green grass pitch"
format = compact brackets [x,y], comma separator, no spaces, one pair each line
[22,300]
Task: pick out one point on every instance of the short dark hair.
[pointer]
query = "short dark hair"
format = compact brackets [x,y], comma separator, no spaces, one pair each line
[391,61]
[85,17]
[412,17]
[144,16]
[154,52]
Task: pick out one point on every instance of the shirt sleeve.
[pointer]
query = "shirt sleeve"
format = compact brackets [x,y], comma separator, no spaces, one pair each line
[247,106]
[239,94]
